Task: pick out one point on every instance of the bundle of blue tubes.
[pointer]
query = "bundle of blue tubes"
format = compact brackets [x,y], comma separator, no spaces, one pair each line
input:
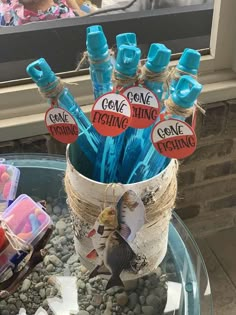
[129,157]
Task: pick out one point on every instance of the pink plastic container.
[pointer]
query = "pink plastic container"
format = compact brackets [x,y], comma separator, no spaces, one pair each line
[28,221]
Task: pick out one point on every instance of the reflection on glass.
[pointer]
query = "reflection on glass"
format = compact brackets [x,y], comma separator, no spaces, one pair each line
[19,12]
[142,5]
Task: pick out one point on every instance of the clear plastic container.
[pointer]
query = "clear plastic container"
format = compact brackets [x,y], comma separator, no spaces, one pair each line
[9,179]
[28,221]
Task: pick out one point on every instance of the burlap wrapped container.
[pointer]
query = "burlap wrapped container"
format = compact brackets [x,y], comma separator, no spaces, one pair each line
[86,199]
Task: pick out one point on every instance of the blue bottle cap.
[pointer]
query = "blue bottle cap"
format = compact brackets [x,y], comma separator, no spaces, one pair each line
[189,61]
[158,58]
[41,73]
[128,39]
[186,91]
[127,60]
[96,43]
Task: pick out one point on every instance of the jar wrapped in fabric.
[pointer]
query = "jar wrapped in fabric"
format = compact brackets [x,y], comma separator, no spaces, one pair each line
[102,247]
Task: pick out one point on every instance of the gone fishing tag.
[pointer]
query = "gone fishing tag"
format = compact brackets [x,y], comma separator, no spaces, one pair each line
[174,138]
[61,125]
[111,114]
[145,106]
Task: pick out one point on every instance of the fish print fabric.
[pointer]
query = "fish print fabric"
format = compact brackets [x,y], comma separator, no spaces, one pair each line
[112,235]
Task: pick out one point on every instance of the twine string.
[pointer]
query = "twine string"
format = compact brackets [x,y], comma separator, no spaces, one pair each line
[122,81]
[152,76]
[175,74]
[16,242]
[85,59]
[88,212]
[52,90]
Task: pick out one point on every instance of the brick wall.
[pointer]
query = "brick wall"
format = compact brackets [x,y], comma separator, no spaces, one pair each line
[207,179]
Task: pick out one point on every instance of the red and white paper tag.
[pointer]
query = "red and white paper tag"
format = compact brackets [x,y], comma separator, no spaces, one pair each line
[111,114]
[174,138]
[145,106]
[61,125]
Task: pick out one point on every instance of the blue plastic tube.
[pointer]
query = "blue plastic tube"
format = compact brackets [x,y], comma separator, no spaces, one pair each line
[47,81]
[188,64]
[157,62]
[151,162]
[100,61]
[110,151]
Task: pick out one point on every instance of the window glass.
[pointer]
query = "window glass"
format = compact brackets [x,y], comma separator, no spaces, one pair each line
[55,29]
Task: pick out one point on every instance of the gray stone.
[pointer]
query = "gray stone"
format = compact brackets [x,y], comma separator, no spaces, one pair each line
[148,310]
[35,276]
[55,261]
[142,300]
[50,268]
[145,292]
[12,308]
[63,241]
[73,259]
[137,309]
[83,313]
[42,293]
[65,258]
[161,292]
[25,285]
[89,288]
[90,308]
[61,227]
[56,210]
[131,284]
[133,300]
[39,286]
[5,312]
[23,297]
[96,300]
[153,301]
[122,298]
[80,284]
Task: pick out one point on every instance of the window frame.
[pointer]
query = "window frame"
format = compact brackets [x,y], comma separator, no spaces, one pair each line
[22,109]
[67,37]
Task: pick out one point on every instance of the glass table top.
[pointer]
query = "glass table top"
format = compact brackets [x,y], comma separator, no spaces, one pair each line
[179,286]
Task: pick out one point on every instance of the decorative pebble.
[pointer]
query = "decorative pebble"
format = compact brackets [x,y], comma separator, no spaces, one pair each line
[61,227]
[148,310]
[23,297]
[39,286]
[133,300]
[92,296]
[42,293]
[56,210]
[96,300]
[131,284]
[50,268]
[55,261]
[153,301]
[137,309]
[90,308]
[122,298]
[25,285]
[142,300]
[73,259]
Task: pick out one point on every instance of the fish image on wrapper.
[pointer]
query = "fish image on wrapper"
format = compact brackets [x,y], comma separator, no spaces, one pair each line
[112,236]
